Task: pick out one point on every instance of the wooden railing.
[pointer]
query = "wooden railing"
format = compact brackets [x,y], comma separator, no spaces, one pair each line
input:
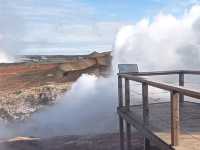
[177,97]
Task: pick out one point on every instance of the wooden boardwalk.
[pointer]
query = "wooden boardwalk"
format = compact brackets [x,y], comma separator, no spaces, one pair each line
[159,123]
[173,125]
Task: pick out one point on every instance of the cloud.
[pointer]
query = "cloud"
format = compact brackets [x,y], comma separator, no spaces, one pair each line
[65,11]
[99,36]
[176,7]
[100,31]
[66,24]
[167,42]
[11,32]
[60,24]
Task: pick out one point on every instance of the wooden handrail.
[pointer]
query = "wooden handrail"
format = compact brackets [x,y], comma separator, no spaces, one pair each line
[154,73]
[170,72]
[164,86]
[177,97]
[192,72]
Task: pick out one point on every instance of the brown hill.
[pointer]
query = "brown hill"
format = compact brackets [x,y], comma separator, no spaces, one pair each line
[39,82]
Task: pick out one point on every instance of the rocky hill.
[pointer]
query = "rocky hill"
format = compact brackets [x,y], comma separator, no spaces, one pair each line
[37,81]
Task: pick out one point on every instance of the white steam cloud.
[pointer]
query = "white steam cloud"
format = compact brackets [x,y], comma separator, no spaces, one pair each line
[166,42]
[89,107]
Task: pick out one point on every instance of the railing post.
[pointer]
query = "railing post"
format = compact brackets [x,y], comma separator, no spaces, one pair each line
[127,105]
[175,118]
[121,123]
[145,113]
[181,83]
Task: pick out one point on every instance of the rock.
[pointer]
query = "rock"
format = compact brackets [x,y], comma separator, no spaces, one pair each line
[28,86]
[16,106]
[4,114]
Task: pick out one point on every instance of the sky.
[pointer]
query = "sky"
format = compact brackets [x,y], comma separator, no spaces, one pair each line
[74,26]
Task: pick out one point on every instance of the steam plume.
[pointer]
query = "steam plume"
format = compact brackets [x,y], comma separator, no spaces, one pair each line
[89,107]
[166,42]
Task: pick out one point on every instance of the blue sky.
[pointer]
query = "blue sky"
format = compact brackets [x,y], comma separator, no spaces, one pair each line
[75,26]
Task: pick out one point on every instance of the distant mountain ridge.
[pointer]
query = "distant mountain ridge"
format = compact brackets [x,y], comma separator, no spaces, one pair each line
[60,58]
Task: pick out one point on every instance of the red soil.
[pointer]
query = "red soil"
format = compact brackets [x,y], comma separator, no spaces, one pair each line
[19,76]
[24,68]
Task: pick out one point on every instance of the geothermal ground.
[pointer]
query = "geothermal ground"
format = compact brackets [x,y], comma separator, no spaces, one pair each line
[37,81]
[94,142]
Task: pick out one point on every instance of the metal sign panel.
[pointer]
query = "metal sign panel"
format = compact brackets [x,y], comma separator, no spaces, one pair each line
[124,68]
